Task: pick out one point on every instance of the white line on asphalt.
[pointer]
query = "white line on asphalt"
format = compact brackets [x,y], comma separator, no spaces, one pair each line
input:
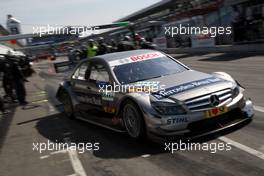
[243,147]
[51,108]
[59,151]
[39,101]
[145,156]
[44,157]
[259,108]
[75,161]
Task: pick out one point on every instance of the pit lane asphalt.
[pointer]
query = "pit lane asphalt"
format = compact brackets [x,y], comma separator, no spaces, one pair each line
[42,120]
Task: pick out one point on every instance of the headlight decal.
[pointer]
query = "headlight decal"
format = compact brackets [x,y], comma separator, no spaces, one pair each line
[164,108]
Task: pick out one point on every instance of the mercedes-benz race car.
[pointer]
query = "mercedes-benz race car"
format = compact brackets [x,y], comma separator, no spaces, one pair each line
[147,92]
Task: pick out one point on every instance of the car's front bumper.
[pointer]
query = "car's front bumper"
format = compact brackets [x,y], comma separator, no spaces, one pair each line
[240,111]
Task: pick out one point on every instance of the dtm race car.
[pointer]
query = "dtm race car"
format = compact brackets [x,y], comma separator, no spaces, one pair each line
[147,92]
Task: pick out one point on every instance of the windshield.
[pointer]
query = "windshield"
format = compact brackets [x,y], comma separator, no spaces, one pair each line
[148,69]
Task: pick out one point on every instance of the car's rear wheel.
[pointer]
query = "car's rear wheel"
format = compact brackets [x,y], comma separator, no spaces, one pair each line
[133,120]
[67,105]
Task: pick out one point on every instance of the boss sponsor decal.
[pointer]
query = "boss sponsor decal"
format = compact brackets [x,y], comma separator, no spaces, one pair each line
[145,56]
[187,86]
[177,120]
[136,58]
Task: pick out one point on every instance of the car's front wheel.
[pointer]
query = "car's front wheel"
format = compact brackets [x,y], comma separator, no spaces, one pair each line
[133,120]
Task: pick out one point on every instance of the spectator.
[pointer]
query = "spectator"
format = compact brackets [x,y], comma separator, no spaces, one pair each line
[2,108]
[16,79]
[102,46]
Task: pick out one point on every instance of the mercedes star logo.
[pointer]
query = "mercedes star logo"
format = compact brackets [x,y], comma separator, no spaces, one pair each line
[214,100]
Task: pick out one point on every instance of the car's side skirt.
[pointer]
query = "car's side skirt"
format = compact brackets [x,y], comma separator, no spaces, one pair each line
[100,124]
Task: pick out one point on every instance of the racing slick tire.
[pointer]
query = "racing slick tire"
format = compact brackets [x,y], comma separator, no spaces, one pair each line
[133,120]
[67,105]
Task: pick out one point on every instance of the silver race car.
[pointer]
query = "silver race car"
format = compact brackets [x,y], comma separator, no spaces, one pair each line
[149,93]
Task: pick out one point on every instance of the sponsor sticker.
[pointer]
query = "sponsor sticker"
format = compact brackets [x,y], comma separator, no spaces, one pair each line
[136,58]
[177,120]
[108,96]
[145,57]
[89,100]
[109,109]
[187,86]
[216,111]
